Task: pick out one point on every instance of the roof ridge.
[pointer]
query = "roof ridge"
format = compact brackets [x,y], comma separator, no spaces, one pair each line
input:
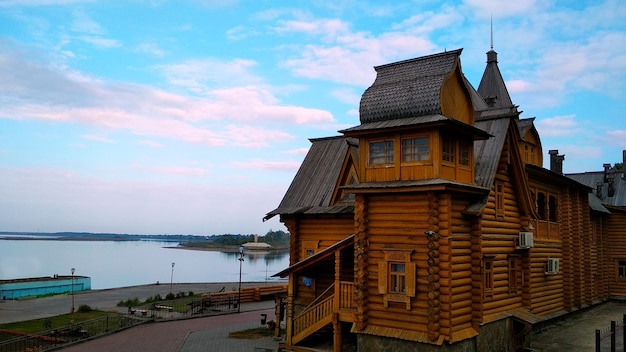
[422,58]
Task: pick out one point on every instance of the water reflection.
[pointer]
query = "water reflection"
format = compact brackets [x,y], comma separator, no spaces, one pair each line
[127,263]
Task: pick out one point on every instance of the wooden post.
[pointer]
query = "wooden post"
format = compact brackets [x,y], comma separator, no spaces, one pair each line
[337,340]
[289,317]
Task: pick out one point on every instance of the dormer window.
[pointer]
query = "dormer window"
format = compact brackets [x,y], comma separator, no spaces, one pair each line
[415,149]
[381,152]
[464,153]
[448,149]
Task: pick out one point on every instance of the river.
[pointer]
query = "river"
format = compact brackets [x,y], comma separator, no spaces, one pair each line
[128,263]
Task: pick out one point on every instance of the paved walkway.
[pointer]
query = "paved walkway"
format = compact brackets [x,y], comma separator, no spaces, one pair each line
[576,333]
[573,334]
[190,335]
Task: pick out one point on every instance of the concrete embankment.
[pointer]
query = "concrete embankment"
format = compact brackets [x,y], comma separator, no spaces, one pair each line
[107,299]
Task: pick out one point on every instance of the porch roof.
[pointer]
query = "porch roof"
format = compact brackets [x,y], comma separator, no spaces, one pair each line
[317,257]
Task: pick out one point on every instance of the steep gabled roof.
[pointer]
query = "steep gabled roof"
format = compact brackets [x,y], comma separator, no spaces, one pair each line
[492,87]
[487,152]
[311,190]
[524,125]
[407,88]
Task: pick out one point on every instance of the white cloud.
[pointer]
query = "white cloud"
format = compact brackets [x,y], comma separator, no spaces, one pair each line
[150,48]
[98,138]
[33,90]
[617,137]
[558,126]
[258,164]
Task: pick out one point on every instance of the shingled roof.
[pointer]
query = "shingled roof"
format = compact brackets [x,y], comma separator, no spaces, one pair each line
[312,188]
[407,88]
[492,87]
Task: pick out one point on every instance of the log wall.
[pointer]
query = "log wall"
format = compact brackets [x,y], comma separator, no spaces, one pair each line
[616,251]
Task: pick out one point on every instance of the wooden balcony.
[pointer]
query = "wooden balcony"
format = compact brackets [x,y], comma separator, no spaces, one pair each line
[548,229]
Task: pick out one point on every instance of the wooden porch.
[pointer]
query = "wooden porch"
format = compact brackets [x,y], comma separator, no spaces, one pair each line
[335,305]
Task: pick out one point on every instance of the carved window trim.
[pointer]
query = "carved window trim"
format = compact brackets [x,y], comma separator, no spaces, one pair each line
[394,256]
[309,248]
[488,272]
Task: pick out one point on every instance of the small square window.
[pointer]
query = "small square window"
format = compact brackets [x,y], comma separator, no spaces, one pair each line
[448,150]
[415,149]
[381,152]
[397,277]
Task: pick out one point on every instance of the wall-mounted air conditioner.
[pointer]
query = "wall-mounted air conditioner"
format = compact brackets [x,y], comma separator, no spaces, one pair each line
[525,240]
[552,266]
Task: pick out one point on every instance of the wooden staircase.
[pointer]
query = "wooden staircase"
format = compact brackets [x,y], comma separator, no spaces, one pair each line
[320,313]
[312,319]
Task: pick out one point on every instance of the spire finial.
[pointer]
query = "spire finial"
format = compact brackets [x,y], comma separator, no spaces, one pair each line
[491,43]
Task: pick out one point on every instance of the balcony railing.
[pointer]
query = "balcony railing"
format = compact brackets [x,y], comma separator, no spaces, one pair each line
[548,229]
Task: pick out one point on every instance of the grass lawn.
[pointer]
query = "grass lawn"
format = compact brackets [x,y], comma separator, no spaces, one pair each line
[252,334]
[38,325]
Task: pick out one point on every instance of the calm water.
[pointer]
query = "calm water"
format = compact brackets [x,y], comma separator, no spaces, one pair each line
[117,264]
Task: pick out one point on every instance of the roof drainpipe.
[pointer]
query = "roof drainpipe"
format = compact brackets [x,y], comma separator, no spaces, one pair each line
[556,161]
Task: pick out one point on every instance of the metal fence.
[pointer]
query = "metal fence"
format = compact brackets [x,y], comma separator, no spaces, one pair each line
[174,309]
[55,338]
[184,308]
[612,338]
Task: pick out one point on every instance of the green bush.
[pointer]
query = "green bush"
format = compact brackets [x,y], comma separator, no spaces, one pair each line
[84,308]
[170,296]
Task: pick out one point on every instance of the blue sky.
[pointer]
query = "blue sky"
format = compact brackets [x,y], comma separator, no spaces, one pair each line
[193,116]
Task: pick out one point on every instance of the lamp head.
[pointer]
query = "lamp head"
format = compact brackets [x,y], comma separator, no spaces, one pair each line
[73,271]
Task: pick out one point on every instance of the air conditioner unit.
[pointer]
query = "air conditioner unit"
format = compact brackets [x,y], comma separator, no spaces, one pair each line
[525,240]
[552,267]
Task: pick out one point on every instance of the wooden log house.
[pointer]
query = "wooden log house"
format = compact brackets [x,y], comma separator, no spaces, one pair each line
[433,224]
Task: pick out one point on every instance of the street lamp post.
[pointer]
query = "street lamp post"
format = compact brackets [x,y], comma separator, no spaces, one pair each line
[240,263]
[73,289]
[172,277]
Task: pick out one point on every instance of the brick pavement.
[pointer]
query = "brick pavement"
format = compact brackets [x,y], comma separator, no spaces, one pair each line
[190,335]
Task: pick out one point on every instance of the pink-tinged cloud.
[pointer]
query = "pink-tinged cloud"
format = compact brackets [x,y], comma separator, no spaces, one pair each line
[32,90]
[258,164]
[150,143]
[180,170]
[98,138]
[299,151]
[519,86]
[558,126]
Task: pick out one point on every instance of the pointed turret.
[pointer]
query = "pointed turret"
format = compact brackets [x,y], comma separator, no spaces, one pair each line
[492,87]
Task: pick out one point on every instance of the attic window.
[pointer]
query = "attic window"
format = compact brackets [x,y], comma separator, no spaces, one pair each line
[464,153]
[448,149]
[381,152]
[415,149]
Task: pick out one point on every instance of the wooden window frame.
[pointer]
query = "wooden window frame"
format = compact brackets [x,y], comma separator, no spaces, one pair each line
[448,150]
[465,153]
[499,194]
[488,270]
[309,246]
[412,153]
[397,256]
[620,271]
[516,275]
[385,152]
